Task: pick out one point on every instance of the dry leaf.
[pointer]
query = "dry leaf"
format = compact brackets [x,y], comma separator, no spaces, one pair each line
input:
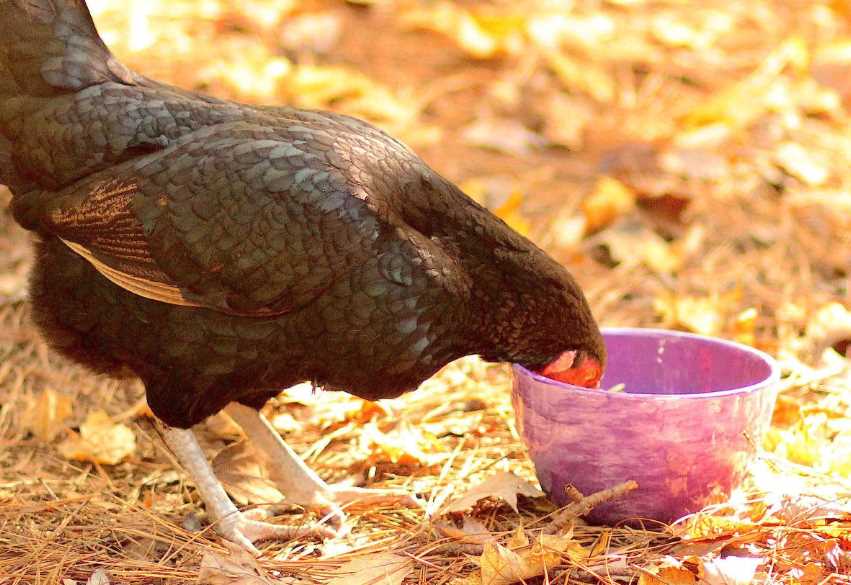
[243,475]
[666,576]
[99,577]
[744,101]
[45,416]
[809,574]
[703,315]
[609,200]
[744,326]
[100,441]
[502,485]
[481,36]
[223,426]
[502,566]
[378,569]
[830,324]
[236,569]
[567,119]
[509,212]
[472,531]
[582,75]
[730,570]
[630,242]
[505,135]
[798,162]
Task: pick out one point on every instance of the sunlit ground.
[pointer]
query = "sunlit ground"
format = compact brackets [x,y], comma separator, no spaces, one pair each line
[688,163]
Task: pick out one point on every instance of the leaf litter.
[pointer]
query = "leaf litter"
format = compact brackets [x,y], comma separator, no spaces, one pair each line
[688,163]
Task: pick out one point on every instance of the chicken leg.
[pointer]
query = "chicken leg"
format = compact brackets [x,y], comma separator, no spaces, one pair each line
[234,525]
[300,484]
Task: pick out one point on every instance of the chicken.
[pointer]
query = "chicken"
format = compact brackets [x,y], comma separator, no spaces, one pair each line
[222,252]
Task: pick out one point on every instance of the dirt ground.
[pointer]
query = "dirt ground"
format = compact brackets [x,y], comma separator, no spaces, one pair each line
[688,162]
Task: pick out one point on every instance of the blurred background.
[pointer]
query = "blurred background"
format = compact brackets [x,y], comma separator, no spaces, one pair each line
[688,161]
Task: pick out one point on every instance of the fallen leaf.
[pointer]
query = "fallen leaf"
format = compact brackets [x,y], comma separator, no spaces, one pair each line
[809,574]
[377,569]
[405,445]
[667,576]
[567,119]
[243,475]
[45,416]
[502,485]
[223,426]
[481,36]
[631,242]
[510,213]
[609,200]
[99,577]
[100,441]
[703,315]
[798,162]
[582,75]
[744,101]
[237,569]
[471,532]
[500,565]
[830,324]
[730,570]
[744,326]
[317,32]
[505,135]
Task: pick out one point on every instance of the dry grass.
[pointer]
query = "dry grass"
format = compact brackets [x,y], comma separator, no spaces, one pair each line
[728,230]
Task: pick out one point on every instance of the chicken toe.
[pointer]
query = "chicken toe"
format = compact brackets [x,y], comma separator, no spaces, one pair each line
[242,528]
[300,484]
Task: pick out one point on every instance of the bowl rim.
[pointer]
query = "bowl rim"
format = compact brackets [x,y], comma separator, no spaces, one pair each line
[772,379]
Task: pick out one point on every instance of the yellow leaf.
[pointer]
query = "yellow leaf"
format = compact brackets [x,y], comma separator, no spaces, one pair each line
[743,102]
[800,163]
[502,485]
[503,566]
[744,326]
[601,545]
[377,569]
[701,315]
[509,212]
[408,445]
[582,75]
[45,416]
[518,539]
[100,441]
[481,35]
[609,200]
[667,576]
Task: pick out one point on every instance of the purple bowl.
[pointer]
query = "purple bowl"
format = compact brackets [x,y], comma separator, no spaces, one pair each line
[685,427]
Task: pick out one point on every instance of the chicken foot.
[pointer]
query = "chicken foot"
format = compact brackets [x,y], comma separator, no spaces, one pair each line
[241,528]
[300,484]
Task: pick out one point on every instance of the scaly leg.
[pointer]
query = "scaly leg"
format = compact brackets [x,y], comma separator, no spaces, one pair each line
[229,522]
[300,484]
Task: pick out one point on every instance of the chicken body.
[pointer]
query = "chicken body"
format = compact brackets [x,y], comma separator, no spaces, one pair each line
[222,252]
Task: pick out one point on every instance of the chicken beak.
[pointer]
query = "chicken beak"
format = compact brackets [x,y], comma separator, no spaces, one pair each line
[575,368]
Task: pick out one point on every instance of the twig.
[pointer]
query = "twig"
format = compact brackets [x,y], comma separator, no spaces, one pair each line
[588,503]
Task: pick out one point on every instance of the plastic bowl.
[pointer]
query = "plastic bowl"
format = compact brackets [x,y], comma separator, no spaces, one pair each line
[684,428]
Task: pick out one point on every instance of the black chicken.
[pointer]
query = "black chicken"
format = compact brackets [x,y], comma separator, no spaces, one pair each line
[222,252]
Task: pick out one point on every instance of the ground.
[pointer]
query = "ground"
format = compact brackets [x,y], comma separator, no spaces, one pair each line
[688,163]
